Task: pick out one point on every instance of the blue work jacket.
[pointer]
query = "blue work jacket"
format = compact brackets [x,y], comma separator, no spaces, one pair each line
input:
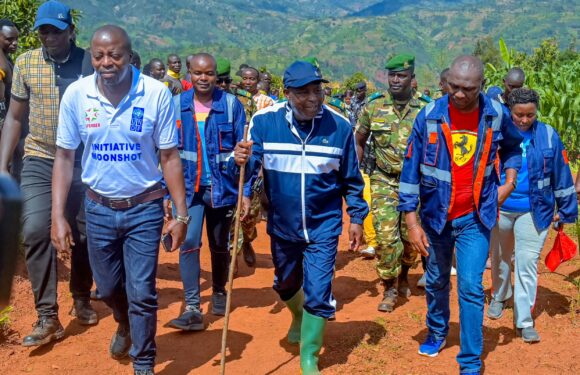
[224,127]
[551,183]
[427,169]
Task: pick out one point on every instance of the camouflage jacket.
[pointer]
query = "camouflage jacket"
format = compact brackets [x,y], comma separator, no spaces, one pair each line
[389,130]
[248,102]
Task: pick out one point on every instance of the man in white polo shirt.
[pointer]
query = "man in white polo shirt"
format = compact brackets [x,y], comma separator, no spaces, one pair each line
[121,116]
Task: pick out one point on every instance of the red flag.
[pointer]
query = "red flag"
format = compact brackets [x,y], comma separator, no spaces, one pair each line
[564,249]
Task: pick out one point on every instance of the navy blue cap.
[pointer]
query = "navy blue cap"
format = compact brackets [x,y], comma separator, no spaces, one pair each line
[53,13]
[301,73]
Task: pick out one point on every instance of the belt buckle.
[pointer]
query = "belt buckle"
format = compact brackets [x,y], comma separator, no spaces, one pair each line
[129,202]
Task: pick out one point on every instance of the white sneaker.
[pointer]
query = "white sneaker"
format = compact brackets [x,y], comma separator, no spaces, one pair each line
[368,253]
[422,281]
[453,271]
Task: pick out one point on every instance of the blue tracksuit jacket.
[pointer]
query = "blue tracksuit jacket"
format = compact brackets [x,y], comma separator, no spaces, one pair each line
[306,179]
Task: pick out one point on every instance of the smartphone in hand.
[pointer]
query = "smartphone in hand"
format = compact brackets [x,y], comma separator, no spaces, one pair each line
[167,242]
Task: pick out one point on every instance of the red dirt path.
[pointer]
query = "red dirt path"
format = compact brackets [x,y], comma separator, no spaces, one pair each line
[360,341]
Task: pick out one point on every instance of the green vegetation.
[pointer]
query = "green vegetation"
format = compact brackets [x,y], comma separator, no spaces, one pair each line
[554,74]
[346,36]
[22,13]
[5,318]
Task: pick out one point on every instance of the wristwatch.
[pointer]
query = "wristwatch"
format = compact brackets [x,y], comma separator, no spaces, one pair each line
[183,219]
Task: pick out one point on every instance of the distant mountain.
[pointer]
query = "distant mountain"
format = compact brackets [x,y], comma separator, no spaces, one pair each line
[346,36]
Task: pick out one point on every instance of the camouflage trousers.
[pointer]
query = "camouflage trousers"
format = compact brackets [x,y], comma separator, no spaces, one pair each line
[393,249]
[248,231]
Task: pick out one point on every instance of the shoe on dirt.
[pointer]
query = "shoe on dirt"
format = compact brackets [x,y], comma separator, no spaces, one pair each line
[528,334]
[422,281]
[190,320]
[121,342]
[84,312]
[495,309]
[46,329]
[431,347]
[368,253]
[218,304]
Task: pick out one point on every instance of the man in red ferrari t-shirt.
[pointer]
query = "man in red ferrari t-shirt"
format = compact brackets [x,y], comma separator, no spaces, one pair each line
[450,169]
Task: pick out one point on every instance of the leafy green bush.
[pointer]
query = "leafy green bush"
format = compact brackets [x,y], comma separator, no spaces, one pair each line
[553,73]
[5,318]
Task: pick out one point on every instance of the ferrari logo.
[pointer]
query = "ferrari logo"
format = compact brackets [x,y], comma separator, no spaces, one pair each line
[464,144]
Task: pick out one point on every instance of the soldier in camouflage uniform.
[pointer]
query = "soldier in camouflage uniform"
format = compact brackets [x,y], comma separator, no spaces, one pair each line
[389,121]
[251,218]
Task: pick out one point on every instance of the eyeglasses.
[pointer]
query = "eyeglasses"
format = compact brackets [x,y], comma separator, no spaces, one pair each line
[224,80]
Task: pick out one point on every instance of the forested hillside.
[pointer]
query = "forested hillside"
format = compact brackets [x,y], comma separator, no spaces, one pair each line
[346,36]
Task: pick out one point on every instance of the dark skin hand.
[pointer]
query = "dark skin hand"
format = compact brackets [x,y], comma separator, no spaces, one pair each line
[11,131]
[417,237]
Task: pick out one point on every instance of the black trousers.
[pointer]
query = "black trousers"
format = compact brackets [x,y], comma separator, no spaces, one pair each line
[41,258]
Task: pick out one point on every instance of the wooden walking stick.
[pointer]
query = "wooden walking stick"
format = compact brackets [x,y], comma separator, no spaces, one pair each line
[233,261]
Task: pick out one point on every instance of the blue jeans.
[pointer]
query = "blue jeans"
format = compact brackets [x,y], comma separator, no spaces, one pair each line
[471,241]
[309,266]
[218,222]
[123,251]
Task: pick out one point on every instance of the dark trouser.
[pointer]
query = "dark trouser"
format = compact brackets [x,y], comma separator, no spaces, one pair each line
[40,255]
[16,166]
[124,249]
[309,266]
[218,222]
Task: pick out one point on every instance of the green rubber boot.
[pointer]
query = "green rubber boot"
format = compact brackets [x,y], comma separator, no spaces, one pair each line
[311,343]
[295,305]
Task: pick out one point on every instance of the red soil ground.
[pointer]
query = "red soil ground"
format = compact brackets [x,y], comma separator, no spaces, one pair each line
[360,341]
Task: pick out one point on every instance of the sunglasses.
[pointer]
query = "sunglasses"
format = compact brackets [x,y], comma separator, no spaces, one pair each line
[224,80]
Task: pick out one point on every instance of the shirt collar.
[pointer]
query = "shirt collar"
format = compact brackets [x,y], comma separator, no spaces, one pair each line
[47,57]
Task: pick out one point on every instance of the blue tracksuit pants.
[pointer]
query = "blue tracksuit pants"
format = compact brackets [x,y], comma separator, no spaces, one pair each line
[309,266]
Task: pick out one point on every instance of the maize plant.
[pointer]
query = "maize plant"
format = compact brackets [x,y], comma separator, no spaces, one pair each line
[554,75]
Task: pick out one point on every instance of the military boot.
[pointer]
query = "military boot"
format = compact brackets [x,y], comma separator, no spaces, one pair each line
[403,282]
[46,329]
[249,254]
[389,296]
[84,312]
[295,305]
[311,337]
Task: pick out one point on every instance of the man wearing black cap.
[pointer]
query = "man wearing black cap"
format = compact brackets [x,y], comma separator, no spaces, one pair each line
[40,79]
[309,160]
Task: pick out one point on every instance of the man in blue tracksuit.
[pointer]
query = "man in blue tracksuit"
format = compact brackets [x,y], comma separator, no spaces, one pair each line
[309,159]
[449,169]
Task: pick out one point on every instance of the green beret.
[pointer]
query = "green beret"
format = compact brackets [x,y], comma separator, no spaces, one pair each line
[403,61]
[223,66]
[312,60]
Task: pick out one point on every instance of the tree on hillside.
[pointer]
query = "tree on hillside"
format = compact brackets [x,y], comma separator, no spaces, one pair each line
[351,81]
[487,51]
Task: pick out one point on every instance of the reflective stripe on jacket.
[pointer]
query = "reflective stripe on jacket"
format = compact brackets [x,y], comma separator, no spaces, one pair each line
[224,127]
[551,181]
[427,170]
[306,179]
